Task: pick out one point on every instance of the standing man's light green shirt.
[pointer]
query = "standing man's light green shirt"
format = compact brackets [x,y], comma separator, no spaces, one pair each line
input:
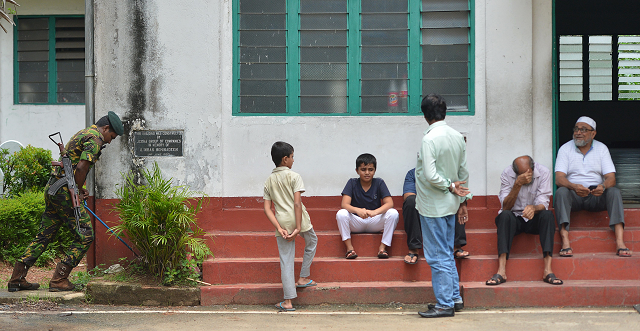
[442,160]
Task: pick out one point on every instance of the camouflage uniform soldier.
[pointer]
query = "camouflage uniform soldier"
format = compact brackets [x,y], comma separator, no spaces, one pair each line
[83,150]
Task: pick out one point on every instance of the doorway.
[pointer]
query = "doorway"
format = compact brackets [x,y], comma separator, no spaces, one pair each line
[598,75]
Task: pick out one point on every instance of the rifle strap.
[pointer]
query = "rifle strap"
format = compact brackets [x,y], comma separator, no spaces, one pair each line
[53,189]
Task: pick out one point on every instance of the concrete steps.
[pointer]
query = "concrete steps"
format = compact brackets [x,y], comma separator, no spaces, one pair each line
[246,268]
[227,244]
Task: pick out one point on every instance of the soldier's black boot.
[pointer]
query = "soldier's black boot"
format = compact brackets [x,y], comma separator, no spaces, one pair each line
[59,281]
[17,281]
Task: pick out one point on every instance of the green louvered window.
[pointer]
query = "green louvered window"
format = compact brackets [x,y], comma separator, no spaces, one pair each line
[49,60]
[351,57]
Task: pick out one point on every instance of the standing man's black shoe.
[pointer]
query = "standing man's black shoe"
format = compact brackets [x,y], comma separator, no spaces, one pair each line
[438,312]
[458,306]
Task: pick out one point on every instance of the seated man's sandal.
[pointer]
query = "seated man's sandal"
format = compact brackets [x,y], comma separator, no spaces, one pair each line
[411,256]
[552,279]
[496,279]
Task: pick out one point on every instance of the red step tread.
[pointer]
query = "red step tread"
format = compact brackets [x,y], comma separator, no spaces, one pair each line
[324,219]
[343,292]
[573,293]
[228,244]
[267,270]
[530,267]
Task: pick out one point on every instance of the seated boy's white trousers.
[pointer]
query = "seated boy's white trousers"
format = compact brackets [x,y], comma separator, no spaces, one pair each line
[387,222]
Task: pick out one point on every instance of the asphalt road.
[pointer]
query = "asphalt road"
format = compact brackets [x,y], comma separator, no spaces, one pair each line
[313,318]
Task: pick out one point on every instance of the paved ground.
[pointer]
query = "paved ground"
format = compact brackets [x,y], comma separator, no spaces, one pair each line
[323,317]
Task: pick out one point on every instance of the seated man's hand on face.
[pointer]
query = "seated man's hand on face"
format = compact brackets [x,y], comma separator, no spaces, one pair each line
[529,212]
[524,178]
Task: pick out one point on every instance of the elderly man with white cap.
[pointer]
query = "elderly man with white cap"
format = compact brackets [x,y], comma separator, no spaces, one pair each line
[586,179]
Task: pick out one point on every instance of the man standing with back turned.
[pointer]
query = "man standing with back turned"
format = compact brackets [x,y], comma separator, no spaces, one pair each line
[440,171]
[83,150]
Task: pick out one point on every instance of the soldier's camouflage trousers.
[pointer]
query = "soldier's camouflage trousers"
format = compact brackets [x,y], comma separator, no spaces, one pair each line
[59,212]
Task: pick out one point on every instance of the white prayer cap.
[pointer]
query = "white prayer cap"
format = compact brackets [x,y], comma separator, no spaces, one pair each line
[587,120]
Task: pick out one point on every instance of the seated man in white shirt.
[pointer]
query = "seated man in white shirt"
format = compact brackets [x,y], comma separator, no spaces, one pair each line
[586,179]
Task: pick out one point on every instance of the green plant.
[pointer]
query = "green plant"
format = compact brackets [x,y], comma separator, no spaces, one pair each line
[84,277]
[160,220]
[25,170]
[20,219]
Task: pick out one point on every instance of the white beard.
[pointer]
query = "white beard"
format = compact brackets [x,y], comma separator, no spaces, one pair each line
[581,142]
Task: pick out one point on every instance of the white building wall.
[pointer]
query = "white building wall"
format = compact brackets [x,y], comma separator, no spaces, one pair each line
[32,124]
[188,85]
[167,67]
[518,79]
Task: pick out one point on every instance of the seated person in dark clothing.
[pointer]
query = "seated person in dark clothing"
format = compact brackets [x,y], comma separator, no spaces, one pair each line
[412,223]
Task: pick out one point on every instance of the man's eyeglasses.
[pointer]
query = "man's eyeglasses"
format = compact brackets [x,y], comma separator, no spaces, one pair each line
[581,130]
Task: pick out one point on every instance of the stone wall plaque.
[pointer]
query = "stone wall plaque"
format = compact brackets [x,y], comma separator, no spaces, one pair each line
[158,143]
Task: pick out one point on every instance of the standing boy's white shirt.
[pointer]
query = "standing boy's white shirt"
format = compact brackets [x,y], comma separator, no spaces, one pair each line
[280,188]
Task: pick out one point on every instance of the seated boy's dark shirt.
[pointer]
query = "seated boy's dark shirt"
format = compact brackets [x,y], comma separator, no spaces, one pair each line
[370,200]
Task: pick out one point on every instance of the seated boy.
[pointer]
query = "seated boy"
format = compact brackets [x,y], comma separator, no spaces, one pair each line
[367,207]
[284,188]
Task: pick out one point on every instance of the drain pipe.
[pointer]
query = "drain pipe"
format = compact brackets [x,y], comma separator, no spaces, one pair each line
[89,93]
[89,75]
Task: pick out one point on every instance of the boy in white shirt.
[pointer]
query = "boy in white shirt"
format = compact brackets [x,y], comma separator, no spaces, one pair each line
[284,187]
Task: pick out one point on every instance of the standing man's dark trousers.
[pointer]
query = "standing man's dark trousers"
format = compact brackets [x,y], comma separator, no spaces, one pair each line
[413,230]
[566,201]
[509,225]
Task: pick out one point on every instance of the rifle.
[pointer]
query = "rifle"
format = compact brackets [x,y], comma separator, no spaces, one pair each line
[68,179]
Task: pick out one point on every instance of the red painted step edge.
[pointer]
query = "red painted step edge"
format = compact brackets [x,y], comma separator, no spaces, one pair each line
[345,293]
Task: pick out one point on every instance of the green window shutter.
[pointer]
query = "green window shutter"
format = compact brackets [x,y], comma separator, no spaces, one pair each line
[262,56]
[32,60]
[446,40]
[49,60]
[323,49]
[69,60]
[351,57]
[384,33]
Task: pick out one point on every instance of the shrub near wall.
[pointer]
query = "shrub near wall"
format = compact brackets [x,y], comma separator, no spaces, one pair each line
[20,219]
[161,221]
[26,174]
[25,170]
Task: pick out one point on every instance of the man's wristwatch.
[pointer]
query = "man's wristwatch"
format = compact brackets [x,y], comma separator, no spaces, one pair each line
[452,188]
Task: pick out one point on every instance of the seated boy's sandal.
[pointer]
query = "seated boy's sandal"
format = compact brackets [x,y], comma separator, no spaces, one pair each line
[352,256]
